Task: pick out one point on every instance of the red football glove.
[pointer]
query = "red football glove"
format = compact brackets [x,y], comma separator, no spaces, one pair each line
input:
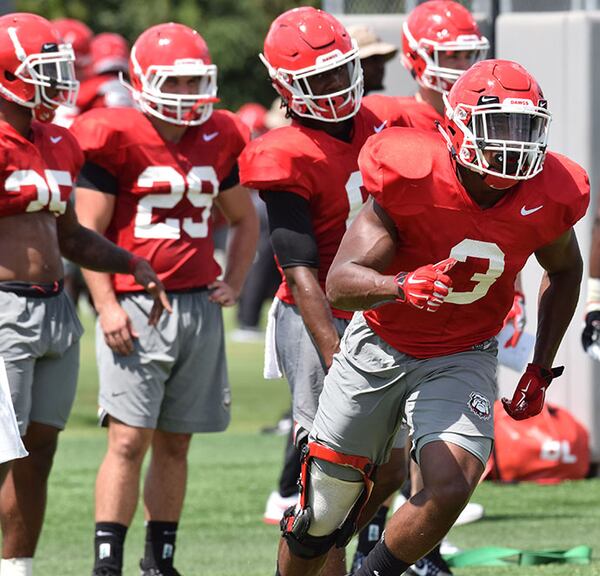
[425,287]
[528,399]
[516,317]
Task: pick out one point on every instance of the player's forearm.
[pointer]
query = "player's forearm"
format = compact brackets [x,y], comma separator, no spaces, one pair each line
[91,250]
[354,287]
[241,251]
[101,289]
[316,312]
[559,294]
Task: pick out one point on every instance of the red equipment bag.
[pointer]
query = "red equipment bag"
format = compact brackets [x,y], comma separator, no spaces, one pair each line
[548,448]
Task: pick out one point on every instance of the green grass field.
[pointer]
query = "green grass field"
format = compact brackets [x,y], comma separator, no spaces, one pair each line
[231,475]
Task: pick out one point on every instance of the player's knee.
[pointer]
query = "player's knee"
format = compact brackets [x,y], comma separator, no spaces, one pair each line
[334,492]
[334,495]
[128,447]
[170,446]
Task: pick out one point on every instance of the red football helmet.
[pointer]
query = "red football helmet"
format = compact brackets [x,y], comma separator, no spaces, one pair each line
[109,53]
[438,27]
[302,44]
[79,36]
[170,50]
[36,68]
[497,122]
[253,115]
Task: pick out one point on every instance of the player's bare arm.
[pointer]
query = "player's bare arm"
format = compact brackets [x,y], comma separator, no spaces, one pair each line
[236,205]
[314,309]
[295,245]
[356,280]
[94,210]
[559,293]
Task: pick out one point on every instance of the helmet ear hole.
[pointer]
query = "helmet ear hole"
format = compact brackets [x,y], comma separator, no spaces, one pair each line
[9,76]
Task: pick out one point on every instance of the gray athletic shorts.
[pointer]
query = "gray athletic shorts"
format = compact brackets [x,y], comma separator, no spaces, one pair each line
[176,379]
[300,361]
[372,389]
[39,341]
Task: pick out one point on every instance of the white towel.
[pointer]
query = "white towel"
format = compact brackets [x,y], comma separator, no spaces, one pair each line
[11,446]
[271,369]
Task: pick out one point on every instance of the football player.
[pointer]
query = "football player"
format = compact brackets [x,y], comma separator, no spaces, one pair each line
[440,40]
[150,179]
[39,329]
[109,58]
[431,261]
[308,176]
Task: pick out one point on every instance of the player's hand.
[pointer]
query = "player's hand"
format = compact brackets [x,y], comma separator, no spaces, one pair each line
[222,293]
[528,399]
[117,329]
[590,337]
[145,276]
[427,286]
[517,319]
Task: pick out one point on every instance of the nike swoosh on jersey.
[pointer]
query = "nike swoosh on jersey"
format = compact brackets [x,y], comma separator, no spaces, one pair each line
[55,139]
[527,212]
[379,128]
[209,137]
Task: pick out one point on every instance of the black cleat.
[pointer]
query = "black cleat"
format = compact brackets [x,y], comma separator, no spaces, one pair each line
[106,571]
[431,565]
[156,571]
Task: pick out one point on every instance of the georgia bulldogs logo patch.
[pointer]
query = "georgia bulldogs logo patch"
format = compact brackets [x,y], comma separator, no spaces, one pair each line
[480,406]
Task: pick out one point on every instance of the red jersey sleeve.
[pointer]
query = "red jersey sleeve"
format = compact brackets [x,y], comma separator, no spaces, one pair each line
[99,140]
[392,162]
[387,109]
[568,185]
[273,162]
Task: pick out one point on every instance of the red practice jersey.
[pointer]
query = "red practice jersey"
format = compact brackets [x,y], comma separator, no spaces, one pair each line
[405,111]
[320,168]
[37,173]
[412,177]
[165,190]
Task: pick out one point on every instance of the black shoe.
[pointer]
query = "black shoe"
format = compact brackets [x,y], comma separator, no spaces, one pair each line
[431,565]
[155,571]
[105,571]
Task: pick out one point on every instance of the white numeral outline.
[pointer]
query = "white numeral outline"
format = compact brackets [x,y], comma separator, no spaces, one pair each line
[354,195]
[190,186]
[477,249]
[47,188]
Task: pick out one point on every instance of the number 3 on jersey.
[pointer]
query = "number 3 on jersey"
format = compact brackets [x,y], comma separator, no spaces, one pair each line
[355,197]
[190,186]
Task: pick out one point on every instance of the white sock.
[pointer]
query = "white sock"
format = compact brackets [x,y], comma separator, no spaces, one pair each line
[16,567]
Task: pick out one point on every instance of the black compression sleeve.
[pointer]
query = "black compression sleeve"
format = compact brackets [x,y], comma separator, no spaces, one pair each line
[232,179]
[292,234]
[95,177]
